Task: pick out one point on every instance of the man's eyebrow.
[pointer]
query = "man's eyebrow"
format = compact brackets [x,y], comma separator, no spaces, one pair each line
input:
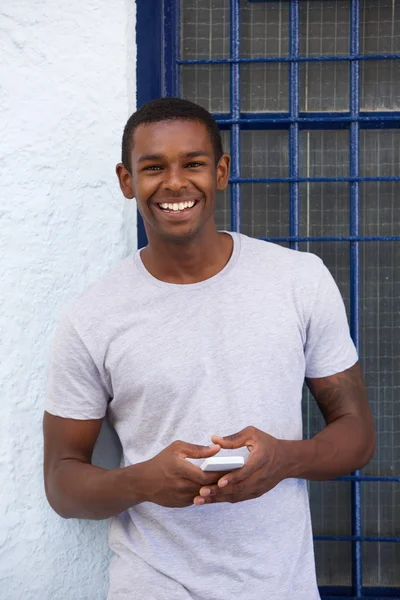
[145,157]
[192,154]
[196,153]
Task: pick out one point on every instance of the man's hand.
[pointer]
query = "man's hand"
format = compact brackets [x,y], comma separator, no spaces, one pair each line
[263,470]
[170,480]
[77,489]
[346,444]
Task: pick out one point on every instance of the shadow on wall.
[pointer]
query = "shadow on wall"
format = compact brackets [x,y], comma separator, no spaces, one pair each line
[107,450]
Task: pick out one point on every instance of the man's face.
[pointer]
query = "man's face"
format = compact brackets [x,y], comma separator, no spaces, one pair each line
[174,178]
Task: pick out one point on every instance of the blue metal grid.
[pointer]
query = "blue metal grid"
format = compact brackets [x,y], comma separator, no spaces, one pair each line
[165,19]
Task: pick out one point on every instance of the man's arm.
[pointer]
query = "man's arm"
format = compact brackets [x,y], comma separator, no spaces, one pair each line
[77,489]
[346,444]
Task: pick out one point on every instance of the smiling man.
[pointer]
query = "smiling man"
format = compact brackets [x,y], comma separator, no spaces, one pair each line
[199,335]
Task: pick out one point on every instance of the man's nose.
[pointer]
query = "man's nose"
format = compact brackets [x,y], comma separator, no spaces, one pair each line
[175,180]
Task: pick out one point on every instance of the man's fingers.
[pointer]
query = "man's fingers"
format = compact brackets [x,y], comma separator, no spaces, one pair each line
[209,490]
[242,490]
[235,440]
[239,475]
[187,450]
[229,481]
[192,472]
[232,498]
[233,483]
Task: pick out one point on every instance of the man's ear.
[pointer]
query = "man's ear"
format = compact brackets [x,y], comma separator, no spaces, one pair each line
[223,171]
[125,181]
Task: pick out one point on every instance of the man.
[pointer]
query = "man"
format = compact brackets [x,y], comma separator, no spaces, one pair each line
[202,334]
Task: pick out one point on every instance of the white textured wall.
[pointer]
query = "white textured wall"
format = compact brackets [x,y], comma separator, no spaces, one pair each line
[67,79]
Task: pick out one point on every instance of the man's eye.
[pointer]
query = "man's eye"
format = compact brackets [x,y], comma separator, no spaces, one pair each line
[194,164]
[152,168]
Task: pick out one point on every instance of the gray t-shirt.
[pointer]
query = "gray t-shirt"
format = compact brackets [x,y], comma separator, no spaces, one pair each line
[170,362]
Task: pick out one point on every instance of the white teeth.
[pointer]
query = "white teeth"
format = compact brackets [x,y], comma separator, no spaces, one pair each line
[176,207]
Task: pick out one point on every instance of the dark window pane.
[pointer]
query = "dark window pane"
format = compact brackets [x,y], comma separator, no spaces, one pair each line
[324,209]
[324,153]
[205,29]
[264,29]
[331,507]
[380,208]
[380,152]
[207,85]
[324,86]
[380,27]
[333,561]
[381,509]
[325,28]
[381,564]
[264,87]
[265,209]
[264,153]
[380,85]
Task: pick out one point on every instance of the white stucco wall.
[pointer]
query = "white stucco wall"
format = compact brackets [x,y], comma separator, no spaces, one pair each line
[67,85]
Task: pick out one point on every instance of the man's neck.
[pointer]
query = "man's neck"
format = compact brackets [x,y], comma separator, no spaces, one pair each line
[189,262]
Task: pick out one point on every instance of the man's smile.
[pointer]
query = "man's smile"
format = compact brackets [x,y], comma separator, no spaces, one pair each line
[178,208]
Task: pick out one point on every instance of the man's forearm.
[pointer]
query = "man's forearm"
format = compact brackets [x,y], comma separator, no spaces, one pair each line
[83,491]
[343,446]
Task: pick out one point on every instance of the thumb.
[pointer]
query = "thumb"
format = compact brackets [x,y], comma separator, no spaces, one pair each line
[235,440]
[187,450]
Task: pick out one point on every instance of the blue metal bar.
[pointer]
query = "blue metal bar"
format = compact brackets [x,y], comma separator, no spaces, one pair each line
[359,597]
[177,47]
[235,112]
[294,128]
[357,538]
[286,59]
[370,477]
[309,179]
[373,593]
[177,35]
[314,119]
[256,116]
[170,79]
[149,49]
[310,121]
[348,238]
[356,515]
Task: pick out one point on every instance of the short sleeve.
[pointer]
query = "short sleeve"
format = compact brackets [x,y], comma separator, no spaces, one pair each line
[75,389]
[329,348]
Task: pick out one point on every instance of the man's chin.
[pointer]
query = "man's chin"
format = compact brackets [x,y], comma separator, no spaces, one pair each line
[179,233]
[182,236]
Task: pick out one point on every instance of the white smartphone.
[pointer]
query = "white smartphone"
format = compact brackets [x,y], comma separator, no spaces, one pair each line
[222,463]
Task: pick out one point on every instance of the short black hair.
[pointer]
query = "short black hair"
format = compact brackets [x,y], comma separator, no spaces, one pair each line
[169,109]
